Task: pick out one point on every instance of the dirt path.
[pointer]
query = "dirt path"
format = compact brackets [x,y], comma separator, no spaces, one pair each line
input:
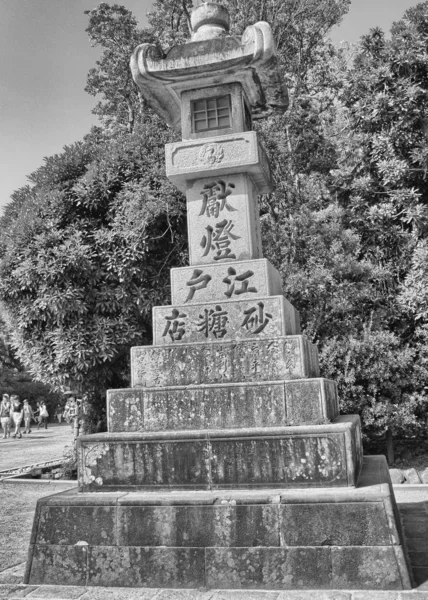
[38,446]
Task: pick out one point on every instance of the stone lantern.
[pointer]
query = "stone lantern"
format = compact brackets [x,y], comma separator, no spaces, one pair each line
[226,464]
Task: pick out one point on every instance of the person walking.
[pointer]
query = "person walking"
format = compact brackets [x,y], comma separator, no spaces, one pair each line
[17,413]
[5,407]
[71,410]
[28,415]
[43,418]
[58,413]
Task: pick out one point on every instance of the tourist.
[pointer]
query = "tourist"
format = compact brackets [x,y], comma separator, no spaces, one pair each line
[43,415]
[5,407]
[28,415]
[58,413]
[17,413]
[78,417]
[71,409]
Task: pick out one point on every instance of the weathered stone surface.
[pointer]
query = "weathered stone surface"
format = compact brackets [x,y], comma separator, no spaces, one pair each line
[220,156]
[289,456]
[245,595]
[379,595]
[69,525]
[291,357]
[227,406]
[250,60]
[190,285]
[318,525]
[53,564]
[223,219]
[58,592]
[268,568]
[198,526]
[397,476]
[412,476]
[146,567]
[318,595]
[231,320]
[311,400]
[122,593]
[248,531]
[366,568]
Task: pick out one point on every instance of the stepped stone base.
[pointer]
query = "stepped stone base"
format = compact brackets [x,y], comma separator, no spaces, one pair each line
[227,406]
[330,538]
[310,455]
[267,359]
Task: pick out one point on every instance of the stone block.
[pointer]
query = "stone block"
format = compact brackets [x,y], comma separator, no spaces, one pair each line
[124,593]
[231,320]
[305,456]
[317,524]
[412,476]
[268,359]
[70,525]
[268,568]
[424,475]
[58,592]
[311,400]
[367,568]
[396,475]
[219,282]
[246,595]
[198,525]
[218,156]
[55,563]
[223,220]
[226,406]
[146,567]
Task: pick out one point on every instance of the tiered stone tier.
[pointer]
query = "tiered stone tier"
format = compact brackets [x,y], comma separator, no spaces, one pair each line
[226,464]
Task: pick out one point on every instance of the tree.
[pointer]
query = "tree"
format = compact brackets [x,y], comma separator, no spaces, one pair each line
[85,252]
[80,279]
[115,30]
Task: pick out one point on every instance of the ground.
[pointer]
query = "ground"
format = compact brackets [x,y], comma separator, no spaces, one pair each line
[38,446]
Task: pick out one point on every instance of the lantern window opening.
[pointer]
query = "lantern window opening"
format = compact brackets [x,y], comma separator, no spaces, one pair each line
[211,113]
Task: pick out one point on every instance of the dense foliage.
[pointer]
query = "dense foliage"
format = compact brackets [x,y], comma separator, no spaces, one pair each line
[85,251]
[15,380]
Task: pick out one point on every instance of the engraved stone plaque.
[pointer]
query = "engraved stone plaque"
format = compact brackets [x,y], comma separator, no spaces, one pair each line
[218,282]
[223,220]
[226,154]
[268,359]
[230,320]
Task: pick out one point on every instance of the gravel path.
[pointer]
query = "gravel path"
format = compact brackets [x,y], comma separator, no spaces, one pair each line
[38,446]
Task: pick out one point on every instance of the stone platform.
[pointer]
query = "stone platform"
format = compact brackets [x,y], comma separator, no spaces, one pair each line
[330,538]
[226,406]
[267,359]
[303,456]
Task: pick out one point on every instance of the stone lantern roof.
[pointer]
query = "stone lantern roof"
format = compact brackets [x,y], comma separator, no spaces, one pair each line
[211,57]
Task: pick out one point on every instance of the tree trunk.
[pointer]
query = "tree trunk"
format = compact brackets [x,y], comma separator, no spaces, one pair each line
[131,117]
[389,447]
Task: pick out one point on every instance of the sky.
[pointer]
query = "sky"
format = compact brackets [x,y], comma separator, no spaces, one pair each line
[45,56]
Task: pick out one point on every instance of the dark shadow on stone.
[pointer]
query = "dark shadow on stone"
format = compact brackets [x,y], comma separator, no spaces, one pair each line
[414,516]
